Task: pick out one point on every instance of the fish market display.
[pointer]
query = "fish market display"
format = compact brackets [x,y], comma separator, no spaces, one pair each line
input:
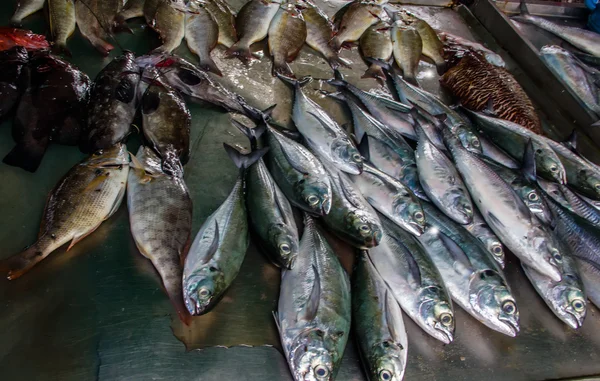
[408,47]
[319,32]
[354,20]
[376,48]
[313,313]
[470,274]
[287,34]
[217,253]
[322,134]
[479,85]
[202,35]
[252,25]
[50,109]
[112,104]
[87,195]
[26,8]
[11,37]
[431,44]
[13,63]
[378,323]
[225,20]
[160,215]
[61,19]
[87,16]
[414,282]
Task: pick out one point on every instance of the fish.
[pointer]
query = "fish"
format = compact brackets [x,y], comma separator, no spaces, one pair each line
[472,277]
[13,63]
[378,324]
[479,85]
[195,83]
[166,122]
[570,201]
[225,20]
[287,34]
[90,27]
[160,217]
[131,10]
[322,134]
[586,40]
[202,35]
[149,11]
[24,9]
[61,19]
[219,248]
[11,37]
[376,48]
[112,105]
[590,275]
[351,217]
[86,196]
[506,214]
[252,25]
[391,198]
[455,43]
[496,154]
[408,47]
[393,114]
[414,281]
[169,23]
[480,230]
[513,138]
[313,313]
[49,110]
[354,21]
[576,75]
[432,46]
[299,174]
[108,11]
[441,181]
[319,32]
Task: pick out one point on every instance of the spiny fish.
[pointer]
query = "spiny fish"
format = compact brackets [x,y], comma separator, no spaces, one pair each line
[61,19]
[354,21]
[313,313]
[376,48]
[287,34]
[201,35]
[408,47]
[223,15]
[25,8]
[432,46]
[87,195]
[160,215]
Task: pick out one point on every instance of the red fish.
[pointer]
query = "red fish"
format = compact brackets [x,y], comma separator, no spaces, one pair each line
[11,37]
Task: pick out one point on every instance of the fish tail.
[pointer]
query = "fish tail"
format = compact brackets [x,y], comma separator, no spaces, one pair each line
[27,157]
[336,62]
[171,280]
[296,83]
[172,165]
[241,51]
[336,43]
[253,134]
[410,78]
[338,79]
[242,160]
[102,46]
[16,22]
[120,25]
[523,8]
[60,48]
[207,64]
[281,67]
[374,71]
[21,263]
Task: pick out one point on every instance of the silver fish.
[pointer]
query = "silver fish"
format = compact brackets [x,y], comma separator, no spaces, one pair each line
[569,200]
[480,230]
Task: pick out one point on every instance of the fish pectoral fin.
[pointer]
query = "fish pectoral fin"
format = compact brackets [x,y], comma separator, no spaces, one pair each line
[81,236]
[117,203]
[210,253]
[309,312]
[96,182]
[276,317]
[393,314]
[455,251]
[322,123]
[494,219]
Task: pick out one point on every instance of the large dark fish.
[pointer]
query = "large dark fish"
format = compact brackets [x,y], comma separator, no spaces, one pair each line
[12,65]
[50,109]
[112,104]
[89,193]
[480,85]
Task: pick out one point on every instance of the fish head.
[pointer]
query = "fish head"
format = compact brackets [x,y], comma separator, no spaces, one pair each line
[366,227]
[542,241]
[316,195]
[494,247]
[550,166]
[311,361]
[285,241]
[202,289]
[437,315]
[347,156]
[535,202]
[591,183]
[388,361]
[469,139]
[461,207]
[113,156]
[569,301]
[411,214]
[493,301]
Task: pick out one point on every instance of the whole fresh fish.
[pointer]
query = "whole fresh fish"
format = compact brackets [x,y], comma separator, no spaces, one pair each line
[195,83]
[112,104]
[12,78]
[586,40]
[25,8]
[356,19]
[217,253]
[223,15]
[480,85]
[453,43]
[287,34]
[480,230]
[131,9]
[86,12]
[169,23]
[575,74]
[299,174]
[472,277]
[506,214]
[160,215]
[322,134]
[351,217]
[513,138]
[61,19]
[87,195]
[252,25]
[391,198]
[414,281]
[166,123]
[432,46]
[378,323]
[376,48]
[441,182]
[313,313]
[570,201]
[50,109]
[319,32]
[202,35]
[389,112]
[408,47]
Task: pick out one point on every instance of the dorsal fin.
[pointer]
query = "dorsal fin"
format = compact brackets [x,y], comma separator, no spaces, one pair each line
[210,253]
[309,312]
[290,161]
[455,251]
[363,147]
[571,142]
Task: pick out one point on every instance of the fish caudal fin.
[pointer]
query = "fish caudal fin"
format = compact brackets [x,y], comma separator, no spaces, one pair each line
[241,51]
[21,263]
[297,83]
[336,62]
[281,67]
[243,161]
[27,157]
[523,8]
[207,64]
[441,67]
[60,48]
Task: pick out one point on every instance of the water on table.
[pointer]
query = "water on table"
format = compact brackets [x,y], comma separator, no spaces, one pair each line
[98,312]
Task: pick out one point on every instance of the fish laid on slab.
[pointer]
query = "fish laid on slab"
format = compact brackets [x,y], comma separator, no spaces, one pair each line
[90,27]
[480,230]
[408,47]
[354,21]
[202,35]
[431,44]
[287,34]
[169,23]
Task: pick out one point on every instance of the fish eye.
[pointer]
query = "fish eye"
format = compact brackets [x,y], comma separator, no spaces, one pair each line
[356,157]
[321,371]
[475,142]
[98,153]
[204,292]
[497,250]
[509,307]
[597,186]
[365,229]
[446,319]
[556,255]
[312,200]
[578,305]
[285,248]
[385,375]
[533,196]
[553,168]
[419,216]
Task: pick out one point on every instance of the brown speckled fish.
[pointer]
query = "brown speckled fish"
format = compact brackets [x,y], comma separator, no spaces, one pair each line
[287,34]
[202,35]
[376,48]
[132,9]
[408,47]
[88,194]
[433,48]
[354,21]
[169,23]
[90,27]
[221,13]
[24,9]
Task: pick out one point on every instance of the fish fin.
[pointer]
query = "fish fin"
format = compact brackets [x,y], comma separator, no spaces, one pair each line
[392,13]
[78,238]
[529,168]
[376,72]
[393,313]
[95,183]
[296,83]
[312,305]
[396,106]
[571,142]
[102,46]
[208,64]
[335,95]
[120,26]
[494,219]
[337,61]
[441,68]
[381,63]
[282,68]
[117,203]
[348,191]
[240,51]
[411,263]
[171,165]
[292,163]
[284,217]
[595,124]
[61,49]
[363,145]
[322,123]
[276,318]
[18,264]
[243,161]
[523,8]
[210,253]
[337,80]
[253,134]
[26,156]
[489,108]
[269,110]
[455,251]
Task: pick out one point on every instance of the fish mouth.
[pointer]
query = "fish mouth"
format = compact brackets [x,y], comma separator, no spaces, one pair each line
[573,320]
[442,333]
[325,206]
[509,327]
[414,228]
